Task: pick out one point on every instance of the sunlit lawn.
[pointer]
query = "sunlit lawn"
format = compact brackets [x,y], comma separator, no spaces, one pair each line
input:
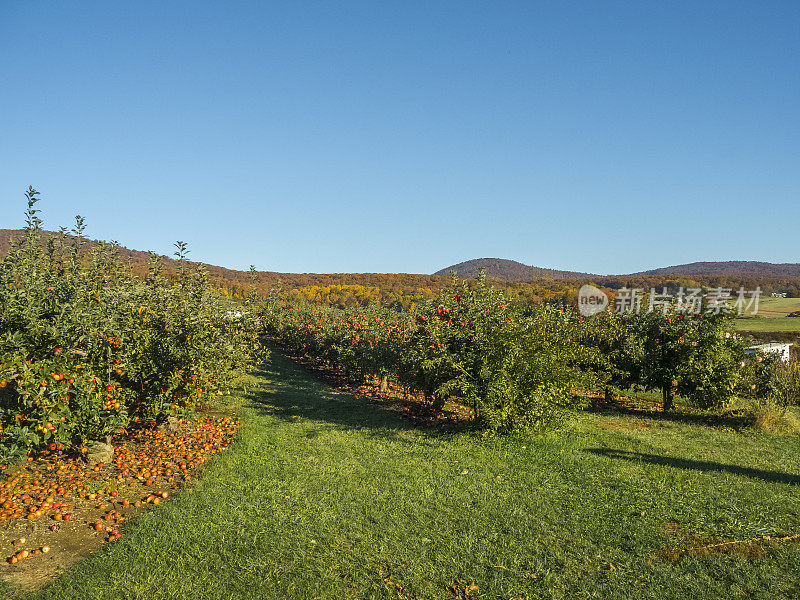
[325,496]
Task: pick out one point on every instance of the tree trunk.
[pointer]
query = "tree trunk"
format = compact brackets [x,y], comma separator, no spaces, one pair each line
[437,404]
[669,398]
[384,387]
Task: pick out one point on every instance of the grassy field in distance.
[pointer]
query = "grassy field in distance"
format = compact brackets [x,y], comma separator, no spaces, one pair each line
[772,316]
[771,308]
[764,324]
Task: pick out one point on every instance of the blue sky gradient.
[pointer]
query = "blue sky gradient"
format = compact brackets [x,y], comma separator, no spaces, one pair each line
[604,137]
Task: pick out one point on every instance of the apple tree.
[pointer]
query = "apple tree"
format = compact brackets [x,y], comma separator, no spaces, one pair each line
[696,356]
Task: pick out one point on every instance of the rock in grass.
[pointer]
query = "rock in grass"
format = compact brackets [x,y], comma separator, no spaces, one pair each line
[171,424]
[99,453]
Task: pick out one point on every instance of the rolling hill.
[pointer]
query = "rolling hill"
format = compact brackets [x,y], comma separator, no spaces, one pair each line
[511,270]
[731,267]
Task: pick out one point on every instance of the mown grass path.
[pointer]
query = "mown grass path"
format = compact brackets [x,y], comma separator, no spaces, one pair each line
[326,496]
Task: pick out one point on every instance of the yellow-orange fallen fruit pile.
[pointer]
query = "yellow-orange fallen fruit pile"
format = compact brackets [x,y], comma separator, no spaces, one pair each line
[55,485]
[27,553]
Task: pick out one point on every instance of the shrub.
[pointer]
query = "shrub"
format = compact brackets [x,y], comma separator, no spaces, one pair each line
[696,356]
[785,384]
[86,348]
[768,378]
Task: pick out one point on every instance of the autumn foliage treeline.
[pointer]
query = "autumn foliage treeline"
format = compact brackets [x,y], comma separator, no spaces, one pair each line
[403,289]
[87,348]
[337,289]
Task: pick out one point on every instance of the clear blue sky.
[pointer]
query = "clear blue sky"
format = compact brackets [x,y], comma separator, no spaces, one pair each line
[606,137]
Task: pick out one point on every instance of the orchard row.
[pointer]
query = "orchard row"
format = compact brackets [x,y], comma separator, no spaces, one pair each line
[87,350]
[520,366]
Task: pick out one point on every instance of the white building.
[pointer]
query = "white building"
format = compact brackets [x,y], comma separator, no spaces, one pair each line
[782,348]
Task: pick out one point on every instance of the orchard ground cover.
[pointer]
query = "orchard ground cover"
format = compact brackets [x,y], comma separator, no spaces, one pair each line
[55,509]
[326,496]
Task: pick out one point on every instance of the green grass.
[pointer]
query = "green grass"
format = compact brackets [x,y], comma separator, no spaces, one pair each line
[325,496]
[764,324]
[777,307]
[772,316]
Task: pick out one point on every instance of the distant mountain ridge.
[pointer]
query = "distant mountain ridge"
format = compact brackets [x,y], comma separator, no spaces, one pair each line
[509,270]
[730,267]
[512,270]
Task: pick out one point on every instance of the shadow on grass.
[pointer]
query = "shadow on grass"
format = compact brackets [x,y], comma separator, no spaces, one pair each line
[292,392]
[698,465]
[729,421]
